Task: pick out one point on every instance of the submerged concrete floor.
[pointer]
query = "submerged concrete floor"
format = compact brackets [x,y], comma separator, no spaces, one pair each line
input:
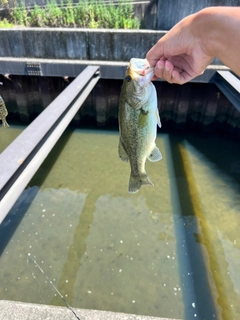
[11,310]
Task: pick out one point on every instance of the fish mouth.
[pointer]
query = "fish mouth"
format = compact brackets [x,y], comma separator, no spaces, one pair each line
[141,68]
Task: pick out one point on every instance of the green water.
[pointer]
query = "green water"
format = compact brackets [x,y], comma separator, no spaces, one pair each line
[168,251]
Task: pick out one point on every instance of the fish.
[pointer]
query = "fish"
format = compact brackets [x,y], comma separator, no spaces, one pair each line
[3,113]
[138,118]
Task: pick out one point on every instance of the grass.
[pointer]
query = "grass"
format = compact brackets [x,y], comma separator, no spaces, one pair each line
[84,14]
[6,24]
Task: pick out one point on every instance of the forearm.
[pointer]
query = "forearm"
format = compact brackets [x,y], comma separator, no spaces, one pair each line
[218,31]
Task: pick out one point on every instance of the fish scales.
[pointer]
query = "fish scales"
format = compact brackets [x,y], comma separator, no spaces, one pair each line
[3,113]
[138,119]
[135,132]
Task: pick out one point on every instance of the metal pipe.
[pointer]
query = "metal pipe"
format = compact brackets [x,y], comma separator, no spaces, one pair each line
[40,141]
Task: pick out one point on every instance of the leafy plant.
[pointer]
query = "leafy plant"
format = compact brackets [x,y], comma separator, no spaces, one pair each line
[5,24]
[20,14]
[38,17]
[53,14]
[81,13]
[68,14]
[86,14]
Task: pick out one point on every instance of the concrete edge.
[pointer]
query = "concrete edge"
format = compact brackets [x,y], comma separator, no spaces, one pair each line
[71,68]
[81,30]
[11,310]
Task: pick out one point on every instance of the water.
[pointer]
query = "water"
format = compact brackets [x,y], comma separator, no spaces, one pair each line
[168,251]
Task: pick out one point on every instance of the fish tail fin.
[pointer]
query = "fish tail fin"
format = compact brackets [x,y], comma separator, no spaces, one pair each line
[4,123]
[135,183]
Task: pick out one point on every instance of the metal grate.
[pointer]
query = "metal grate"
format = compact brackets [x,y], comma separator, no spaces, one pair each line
[33,69]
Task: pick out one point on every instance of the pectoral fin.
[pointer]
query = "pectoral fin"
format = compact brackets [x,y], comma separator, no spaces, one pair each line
[122,152]
[158,118]
[155,155]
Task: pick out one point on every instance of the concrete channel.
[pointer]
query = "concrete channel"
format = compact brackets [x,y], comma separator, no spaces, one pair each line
[30,54]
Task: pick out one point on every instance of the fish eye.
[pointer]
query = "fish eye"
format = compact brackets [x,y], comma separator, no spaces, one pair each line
[128,78]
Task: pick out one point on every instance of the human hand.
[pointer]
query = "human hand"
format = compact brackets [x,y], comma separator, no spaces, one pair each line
[180,55]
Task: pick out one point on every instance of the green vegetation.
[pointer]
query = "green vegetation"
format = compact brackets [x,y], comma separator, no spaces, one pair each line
[20,15]
[5,24]
[3,2]
[84,14]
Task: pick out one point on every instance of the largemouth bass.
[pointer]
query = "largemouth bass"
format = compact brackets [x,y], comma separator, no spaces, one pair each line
[138,119]
[3,113]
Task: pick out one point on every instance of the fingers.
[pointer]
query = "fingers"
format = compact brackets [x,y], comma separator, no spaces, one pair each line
[165,69]
[177,71]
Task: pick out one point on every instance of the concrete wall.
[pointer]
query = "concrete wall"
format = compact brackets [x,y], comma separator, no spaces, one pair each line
[78,44]
[81,44]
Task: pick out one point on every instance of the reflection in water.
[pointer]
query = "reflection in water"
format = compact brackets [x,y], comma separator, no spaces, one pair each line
[76,250]
[232,255]
[169,251]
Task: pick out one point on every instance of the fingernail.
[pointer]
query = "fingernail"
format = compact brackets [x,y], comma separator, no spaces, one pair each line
[160,65]
[167,67]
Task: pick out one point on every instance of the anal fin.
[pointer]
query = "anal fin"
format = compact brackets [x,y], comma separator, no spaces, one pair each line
[155,155]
